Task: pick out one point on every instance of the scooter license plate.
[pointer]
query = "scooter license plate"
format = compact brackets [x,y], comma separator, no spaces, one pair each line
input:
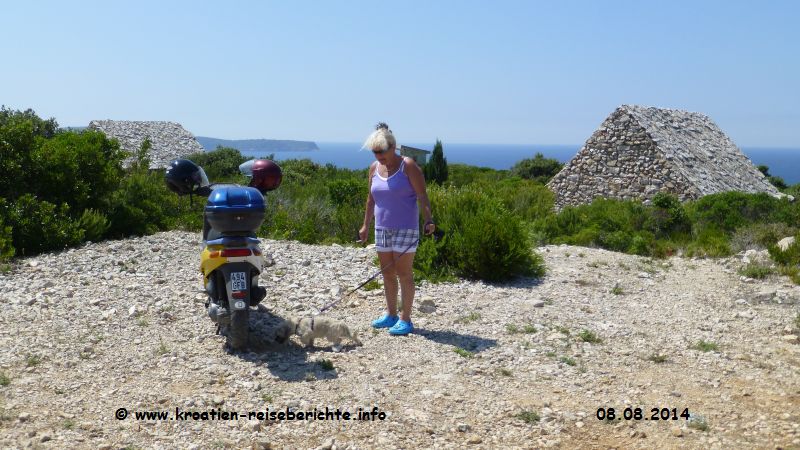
[238,281]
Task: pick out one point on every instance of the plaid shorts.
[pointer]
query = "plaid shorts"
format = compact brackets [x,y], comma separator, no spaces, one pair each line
[398,241]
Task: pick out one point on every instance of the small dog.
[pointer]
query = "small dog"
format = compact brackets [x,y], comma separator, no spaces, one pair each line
[310,328]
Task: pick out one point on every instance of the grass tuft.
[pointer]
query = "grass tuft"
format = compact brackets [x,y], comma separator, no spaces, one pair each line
[567,360]
[471,317]
[757,271]
[463,353]
[589,336]
[528,416]
[704,346]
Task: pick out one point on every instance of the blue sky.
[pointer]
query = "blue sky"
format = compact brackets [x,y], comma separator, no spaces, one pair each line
[516,72]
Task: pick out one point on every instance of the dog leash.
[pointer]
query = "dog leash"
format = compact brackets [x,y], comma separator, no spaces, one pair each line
[332,304]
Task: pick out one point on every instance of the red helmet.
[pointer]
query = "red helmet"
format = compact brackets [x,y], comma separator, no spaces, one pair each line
[267,175]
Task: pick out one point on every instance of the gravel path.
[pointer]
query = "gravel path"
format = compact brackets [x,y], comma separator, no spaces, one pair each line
[121,324]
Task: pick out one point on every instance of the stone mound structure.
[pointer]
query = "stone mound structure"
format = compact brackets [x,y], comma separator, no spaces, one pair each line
[169,139]
[639,151]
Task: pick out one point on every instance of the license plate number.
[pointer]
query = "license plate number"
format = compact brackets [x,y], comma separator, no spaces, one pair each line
[238,281]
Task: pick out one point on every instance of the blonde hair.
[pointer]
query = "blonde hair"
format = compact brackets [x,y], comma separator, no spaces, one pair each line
[380,139]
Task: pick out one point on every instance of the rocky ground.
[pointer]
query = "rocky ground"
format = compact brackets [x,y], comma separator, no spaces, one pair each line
[121,324]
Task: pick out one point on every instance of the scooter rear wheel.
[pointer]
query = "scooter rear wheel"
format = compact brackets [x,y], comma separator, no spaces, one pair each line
[239,328]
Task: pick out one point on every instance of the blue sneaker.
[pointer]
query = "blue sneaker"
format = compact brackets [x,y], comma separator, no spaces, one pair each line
[385,321]
[401,328]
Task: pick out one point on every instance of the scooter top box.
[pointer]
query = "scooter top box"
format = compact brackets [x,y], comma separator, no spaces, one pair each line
[235,210]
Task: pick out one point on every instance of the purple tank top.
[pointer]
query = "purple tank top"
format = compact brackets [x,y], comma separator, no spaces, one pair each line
[395,201]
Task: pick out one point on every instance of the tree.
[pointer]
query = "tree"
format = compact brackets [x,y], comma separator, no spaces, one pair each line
[141,161]
[19,132]
[436,169]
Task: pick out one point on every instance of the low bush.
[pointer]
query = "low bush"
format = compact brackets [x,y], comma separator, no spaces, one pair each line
[606,223]
[221,164]
[483,239]
[94,225]
[351,191]
[667,216]
[460,175]
[6,238]
[538,168]
[729,211]
[527,199]
[760,236]
[710,242]
[302,171]
[142,205]
[40,226]
[755,270]
[307,219]
[79,169]
[789,257]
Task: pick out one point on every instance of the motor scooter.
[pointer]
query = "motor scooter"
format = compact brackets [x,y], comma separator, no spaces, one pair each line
[231,258]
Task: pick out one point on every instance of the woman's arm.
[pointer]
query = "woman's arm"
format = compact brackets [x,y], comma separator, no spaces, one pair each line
[369,210]
[418,183]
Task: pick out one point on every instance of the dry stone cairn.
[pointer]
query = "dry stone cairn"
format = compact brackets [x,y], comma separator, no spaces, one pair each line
[640,151]
[169,139]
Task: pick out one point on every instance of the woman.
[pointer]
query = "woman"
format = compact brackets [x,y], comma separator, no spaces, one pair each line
[396,184]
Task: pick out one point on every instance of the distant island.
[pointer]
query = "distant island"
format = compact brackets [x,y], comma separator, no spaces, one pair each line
[257,145]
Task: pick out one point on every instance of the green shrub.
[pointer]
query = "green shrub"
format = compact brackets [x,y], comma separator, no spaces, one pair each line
[538,168]
[728,211]
[483,240]
[6,238]
[619,240]
[79,169]
[760,235]
[758,271]
[642,244]
[793,190]
[19,134]
[710,242]
[667,216]
[350,191]
[788,257]
[347,221]
[221,164]
[307,219]
[300,171]
[38,226]
[606,223]
[527,199]
[460,175]
[94,225]
[143,205]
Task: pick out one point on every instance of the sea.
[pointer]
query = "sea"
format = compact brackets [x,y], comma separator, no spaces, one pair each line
[782,162]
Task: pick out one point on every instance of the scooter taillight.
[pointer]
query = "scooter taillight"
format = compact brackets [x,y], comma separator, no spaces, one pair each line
[231,252]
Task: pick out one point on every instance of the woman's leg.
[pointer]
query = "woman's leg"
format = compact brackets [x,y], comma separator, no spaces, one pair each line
[406,274]
[389,281]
